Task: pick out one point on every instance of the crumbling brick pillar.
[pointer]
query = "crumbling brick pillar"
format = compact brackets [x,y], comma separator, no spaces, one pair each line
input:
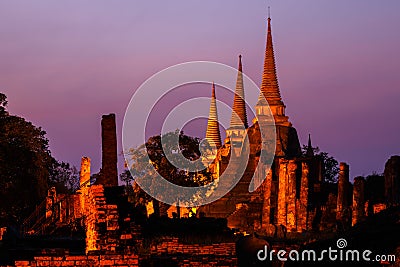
[51,200]
[287,194]
[304,198]
[343,202]
[101,222]
[109,172]
[282,188]
[392,180]
[84,182]
[358,200]
[266,212]
[291,224]
[94,201]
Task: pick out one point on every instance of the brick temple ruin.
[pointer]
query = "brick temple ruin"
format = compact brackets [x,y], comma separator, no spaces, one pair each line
[112,236]
[294,197]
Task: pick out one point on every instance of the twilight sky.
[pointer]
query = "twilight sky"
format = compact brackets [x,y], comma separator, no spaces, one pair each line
[65,63]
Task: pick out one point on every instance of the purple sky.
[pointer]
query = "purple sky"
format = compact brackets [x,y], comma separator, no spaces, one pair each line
[65,63]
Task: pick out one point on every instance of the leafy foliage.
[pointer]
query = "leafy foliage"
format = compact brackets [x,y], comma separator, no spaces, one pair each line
[3,104]
[27,168]
[158,154]
[64,177]
[330,164]
[25,161]
[126,177]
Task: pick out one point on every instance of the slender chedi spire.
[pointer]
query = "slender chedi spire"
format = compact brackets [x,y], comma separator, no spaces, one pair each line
[269,86]
[239,115]
[310,150]
[213,133]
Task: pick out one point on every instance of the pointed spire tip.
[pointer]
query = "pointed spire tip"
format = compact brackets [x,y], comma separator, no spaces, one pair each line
[310,150]
[213,132]
[239,115]
[240,63]
[213,90]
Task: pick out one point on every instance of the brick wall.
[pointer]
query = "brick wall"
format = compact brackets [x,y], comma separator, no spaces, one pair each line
[101,222]
[173,246]
[218,254]
[110,244]
[103,260]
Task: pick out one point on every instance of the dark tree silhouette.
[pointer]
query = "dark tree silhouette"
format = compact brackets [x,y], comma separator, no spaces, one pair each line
[64,177]
[330,164]
[3,104]
[25,163]
[188,146]
[126,177]
[27,168]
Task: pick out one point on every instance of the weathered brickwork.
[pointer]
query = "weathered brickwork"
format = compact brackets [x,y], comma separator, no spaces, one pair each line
[343,201]
[101,222]
[218,254]
[286,199]
[109,172]
[358,200]
[3,230]
[212,134]
[266,212]
[392,180]
[84,183]
[102,260]
[304,217]
[173,246]
[293,196]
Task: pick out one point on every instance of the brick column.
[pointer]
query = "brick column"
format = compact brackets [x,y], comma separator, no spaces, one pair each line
[392,180]
[266,212]
[304,198]
[343,191]
[84,182]
[282,188]
[101,222]
[291,196]
[358,200]
[109,172]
